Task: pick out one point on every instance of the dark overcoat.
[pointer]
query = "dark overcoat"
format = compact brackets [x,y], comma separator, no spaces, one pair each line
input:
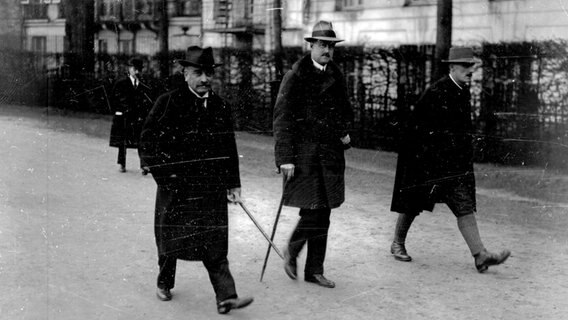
[192,155]
[436,151]
[132,105]
[311,115]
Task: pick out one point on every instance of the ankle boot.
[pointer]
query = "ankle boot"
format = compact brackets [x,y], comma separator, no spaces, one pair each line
[399,252]
[484,259]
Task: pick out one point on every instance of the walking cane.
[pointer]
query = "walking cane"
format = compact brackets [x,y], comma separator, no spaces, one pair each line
[274,230]
[271,244]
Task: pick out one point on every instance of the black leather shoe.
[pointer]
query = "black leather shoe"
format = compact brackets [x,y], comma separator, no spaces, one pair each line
[399,252]
[145,170]
[122,169]
[320,280]
[225,306]
[164,294]
[485,259]
[290,265]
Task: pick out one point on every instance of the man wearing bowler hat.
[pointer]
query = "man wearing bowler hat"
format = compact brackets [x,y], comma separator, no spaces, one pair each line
[311,118]
[435,162]
[189,145]
[131,102]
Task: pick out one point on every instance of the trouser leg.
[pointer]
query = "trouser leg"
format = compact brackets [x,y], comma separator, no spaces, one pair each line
[316,223]
[142,162]
[121,156]
[403,224]
[167,274]
[221,278]
[299,237]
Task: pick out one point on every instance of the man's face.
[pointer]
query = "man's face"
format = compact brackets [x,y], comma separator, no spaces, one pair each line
[133,71]
[198,79]
[322,51]
[461,72]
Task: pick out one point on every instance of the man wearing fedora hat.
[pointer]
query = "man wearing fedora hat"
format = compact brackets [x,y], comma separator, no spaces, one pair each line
[311,118]
[189,145]
[435,162]
[131,102]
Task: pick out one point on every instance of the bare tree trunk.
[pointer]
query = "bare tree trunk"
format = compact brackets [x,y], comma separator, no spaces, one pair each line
[80,33]
[443,38]
[164,34]
[278,50]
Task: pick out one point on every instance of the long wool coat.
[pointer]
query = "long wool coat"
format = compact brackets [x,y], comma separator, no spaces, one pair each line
[192,155]
[437,149]
[311,114]
[133,105]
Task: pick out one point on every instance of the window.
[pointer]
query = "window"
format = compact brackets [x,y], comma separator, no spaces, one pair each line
[125,46]
[352,3]
[38,44]
[419,2]
[348,4]
[191,8]
[220,9]
[103,46]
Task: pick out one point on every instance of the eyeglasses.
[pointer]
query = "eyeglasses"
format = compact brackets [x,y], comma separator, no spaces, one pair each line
[325,44]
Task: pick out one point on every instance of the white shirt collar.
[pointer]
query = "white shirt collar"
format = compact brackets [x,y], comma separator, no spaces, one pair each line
[455,82]
[318,66]
[134,80]
[203,97]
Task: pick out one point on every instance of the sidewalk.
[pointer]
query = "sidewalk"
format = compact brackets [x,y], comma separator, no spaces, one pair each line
[76,240]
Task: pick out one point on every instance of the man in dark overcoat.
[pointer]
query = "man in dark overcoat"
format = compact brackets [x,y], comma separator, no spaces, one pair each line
[189,144]
[131,101]
[311,119]
[435,162]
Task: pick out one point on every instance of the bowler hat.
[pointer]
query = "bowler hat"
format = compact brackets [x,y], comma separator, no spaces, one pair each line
[323,30]
[461,55]
[136,62]
[199,57]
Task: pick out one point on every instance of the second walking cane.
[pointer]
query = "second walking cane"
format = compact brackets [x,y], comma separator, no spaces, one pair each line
[273,229]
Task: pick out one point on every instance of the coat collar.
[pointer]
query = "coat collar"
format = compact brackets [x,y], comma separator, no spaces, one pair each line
[305,69]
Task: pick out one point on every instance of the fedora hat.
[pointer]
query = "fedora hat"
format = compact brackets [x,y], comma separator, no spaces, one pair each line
[323,30]
[461,55]
[136,62]
[199,57]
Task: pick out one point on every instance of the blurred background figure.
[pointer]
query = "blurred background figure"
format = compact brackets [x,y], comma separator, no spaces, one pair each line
[131,102]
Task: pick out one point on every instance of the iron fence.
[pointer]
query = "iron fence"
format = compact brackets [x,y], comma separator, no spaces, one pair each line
[519,95]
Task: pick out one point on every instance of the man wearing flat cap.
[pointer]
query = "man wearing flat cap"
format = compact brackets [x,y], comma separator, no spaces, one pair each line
[131,101]
[435,162]
[311,120]
[189,144]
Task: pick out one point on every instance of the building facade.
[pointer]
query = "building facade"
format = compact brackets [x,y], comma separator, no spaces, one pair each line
[398,22]
[132,26]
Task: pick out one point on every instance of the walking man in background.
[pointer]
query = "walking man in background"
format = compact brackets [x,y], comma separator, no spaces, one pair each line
[311,118]
[435,163]
[189,145]
[131,103]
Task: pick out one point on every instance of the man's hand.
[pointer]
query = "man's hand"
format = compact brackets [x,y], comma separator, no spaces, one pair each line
[346,139]
[287,170]
[234,195]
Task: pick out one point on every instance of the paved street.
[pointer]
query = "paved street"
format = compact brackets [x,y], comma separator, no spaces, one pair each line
[76,239]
